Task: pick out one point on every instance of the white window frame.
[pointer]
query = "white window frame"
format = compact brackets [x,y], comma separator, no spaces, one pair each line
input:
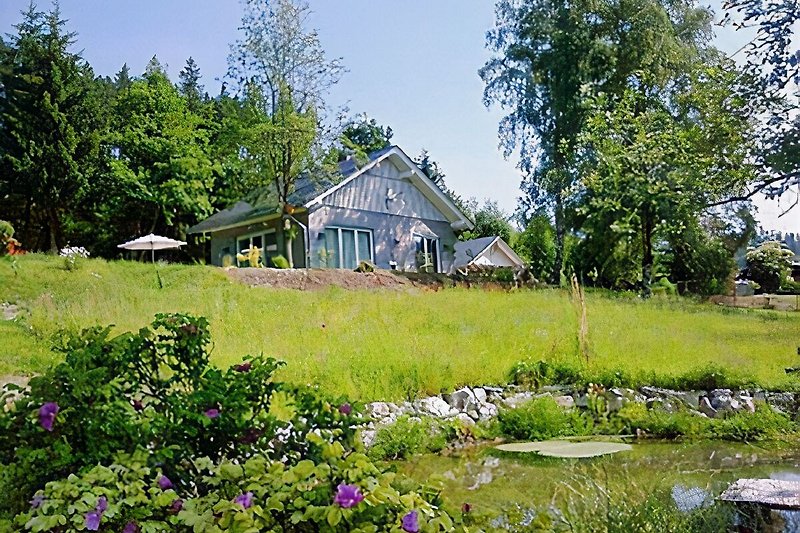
[426,238]
[355,231]
[249,238]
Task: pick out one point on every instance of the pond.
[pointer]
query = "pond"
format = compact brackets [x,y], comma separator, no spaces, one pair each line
[691,473]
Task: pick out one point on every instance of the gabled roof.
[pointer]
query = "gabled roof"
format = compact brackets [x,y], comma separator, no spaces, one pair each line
[262,204]
[476,252]
[429,189]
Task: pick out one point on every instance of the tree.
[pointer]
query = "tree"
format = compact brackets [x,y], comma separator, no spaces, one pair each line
[50,125]
[162,172]
[652,166]
[362,136]
[189,85]
[280,63]
[768,265]
[490,221]
[537,246]
[553,56]
[123,80]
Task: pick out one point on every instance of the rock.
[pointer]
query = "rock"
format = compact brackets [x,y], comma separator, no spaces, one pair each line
[782,400]
[561,389]
[368,437]
[487,411]
[462,399]
[494,390]
[668,405]
[690,399]
[615,399]
[518,399]
[582,401]
[8,311]
[480,394]
[567,402]
[706,408]
[473,414]
[465,420]
[435,406]
[747,404]
[378,409]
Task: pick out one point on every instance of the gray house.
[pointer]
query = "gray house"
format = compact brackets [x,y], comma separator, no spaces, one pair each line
[387,212]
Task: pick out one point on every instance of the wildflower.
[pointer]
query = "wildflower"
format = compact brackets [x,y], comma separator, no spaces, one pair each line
[131,527]
[177,505]
[345,409]
[250,436]
[37,501]
[102,504]
[244,367]
[348,496]
[212,413]
[165,483]
[466,508]
[47,415]
[245,500]
[137,405]
[93,520]
[410,522]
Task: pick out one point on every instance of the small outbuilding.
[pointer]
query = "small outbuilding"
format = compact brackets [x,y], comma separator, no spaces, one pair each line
[484,253]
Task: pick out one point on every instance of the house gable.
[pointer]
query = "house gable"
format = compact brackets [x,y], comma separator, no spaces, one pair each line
[392,184]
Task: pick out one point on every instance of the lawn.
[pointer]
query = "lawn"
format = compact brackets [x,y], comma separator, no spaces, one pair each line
[390,344]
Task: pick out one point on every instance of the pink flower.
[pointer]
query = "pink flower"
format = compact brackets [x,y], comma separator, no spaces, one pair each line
[47,415]
[345,409]
[102,504]
[348,496]
[244,367]
[212,413]
[131,527]
[165,483]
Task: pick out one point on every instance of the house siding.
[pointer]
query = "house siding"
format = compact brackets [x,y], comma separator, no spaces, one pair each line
[224,242]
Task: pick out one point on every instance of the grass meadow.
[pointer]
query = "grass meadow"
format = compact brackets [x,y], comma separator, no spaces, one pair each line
[390,344]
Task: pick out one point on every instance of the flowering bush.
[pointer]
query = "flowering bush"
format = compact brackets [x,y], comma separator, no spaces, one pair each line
[340,492]
[156,390]
[72,255]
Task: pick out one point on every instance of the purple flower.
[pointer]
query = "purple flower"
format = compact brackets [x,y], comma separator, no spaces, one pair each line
[348,496]
[410,522]
[93,520]
[47,415]
[345,409]
[244,367]
[102,504]
[177,505]
[165,483]
[212,413]
[37,501]
[137,405]
[245,500]
[131,527]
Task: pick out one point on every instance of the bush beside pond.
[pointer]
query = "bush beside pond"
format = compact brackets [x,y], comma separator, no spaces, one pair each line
[141,433]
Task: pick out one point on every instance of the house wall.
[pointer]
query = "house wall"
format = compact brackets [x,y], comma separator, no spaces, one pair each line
[224,242]
[390,206]
[498,257]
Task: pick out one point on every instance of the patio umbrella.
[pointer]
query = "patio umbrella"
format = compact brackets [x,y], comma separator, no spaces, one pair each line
[152,242]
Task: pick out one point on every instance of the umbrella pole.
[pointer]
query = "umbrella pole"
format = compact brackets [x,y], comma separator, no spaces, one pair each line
[152,255]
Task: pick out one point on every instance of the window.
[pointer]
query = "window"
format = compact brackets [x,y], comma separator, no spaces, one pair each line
[427,249]
[266,242]
[345,248]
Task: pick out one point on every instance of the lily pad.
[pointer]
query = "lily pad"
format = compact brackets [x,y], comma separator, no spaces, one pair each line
[561,448]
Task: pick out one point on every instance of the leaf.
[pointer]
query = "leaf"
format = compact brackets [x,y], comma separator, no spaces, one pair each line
[334,516]
[564,449]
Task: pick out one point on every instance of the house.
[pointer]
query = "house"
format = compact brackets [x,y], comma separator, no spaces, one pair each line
[387,212]
[485,252]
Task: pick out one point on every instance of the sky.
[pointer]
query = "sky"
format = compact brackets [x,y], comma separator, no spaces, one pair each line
[413,65]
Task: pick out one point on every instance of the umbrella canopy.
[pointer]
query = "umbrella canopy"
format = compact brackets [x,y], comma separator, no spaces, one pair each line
[152,242]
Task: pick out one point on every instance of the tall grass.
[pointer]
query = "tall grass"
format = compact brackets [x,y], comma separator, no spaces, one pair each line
[385,344]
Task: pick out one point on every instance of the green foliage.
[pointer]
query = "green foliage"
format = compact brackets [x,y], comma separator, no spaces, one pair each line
[699,263]
[294,497]
[6,231]
[768,265]
[157,390]
[490,221]
[541,419]
[362,136]
[410,436]
[278,261]
[536,245]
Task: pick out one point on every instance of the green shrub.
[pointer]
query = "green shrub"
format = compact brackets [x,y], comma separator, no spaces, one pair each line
[156,390]
[338,492]
[410,436]
[539,419]
[764,424]
[278,261]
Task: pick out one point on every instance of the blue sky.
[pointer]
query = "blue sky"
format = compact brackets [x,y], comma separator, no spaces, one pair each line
[412,65]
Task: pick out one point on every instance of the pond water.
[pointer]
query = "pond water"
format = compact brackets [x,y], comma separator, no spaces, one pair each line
[691,473]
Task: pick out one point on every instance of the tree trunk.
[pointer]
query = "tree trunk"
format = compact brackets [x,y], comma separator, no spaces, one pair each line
[54,230]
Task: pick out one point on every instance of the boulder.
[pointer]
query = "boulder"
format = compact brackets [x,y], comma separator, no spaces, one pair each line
[480,394]
[706,408]
[567,402]
[379,409]
[465,420]
[515,400]
[487,411]
[782,400]
[462,399]
[615,399]
[435,406]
